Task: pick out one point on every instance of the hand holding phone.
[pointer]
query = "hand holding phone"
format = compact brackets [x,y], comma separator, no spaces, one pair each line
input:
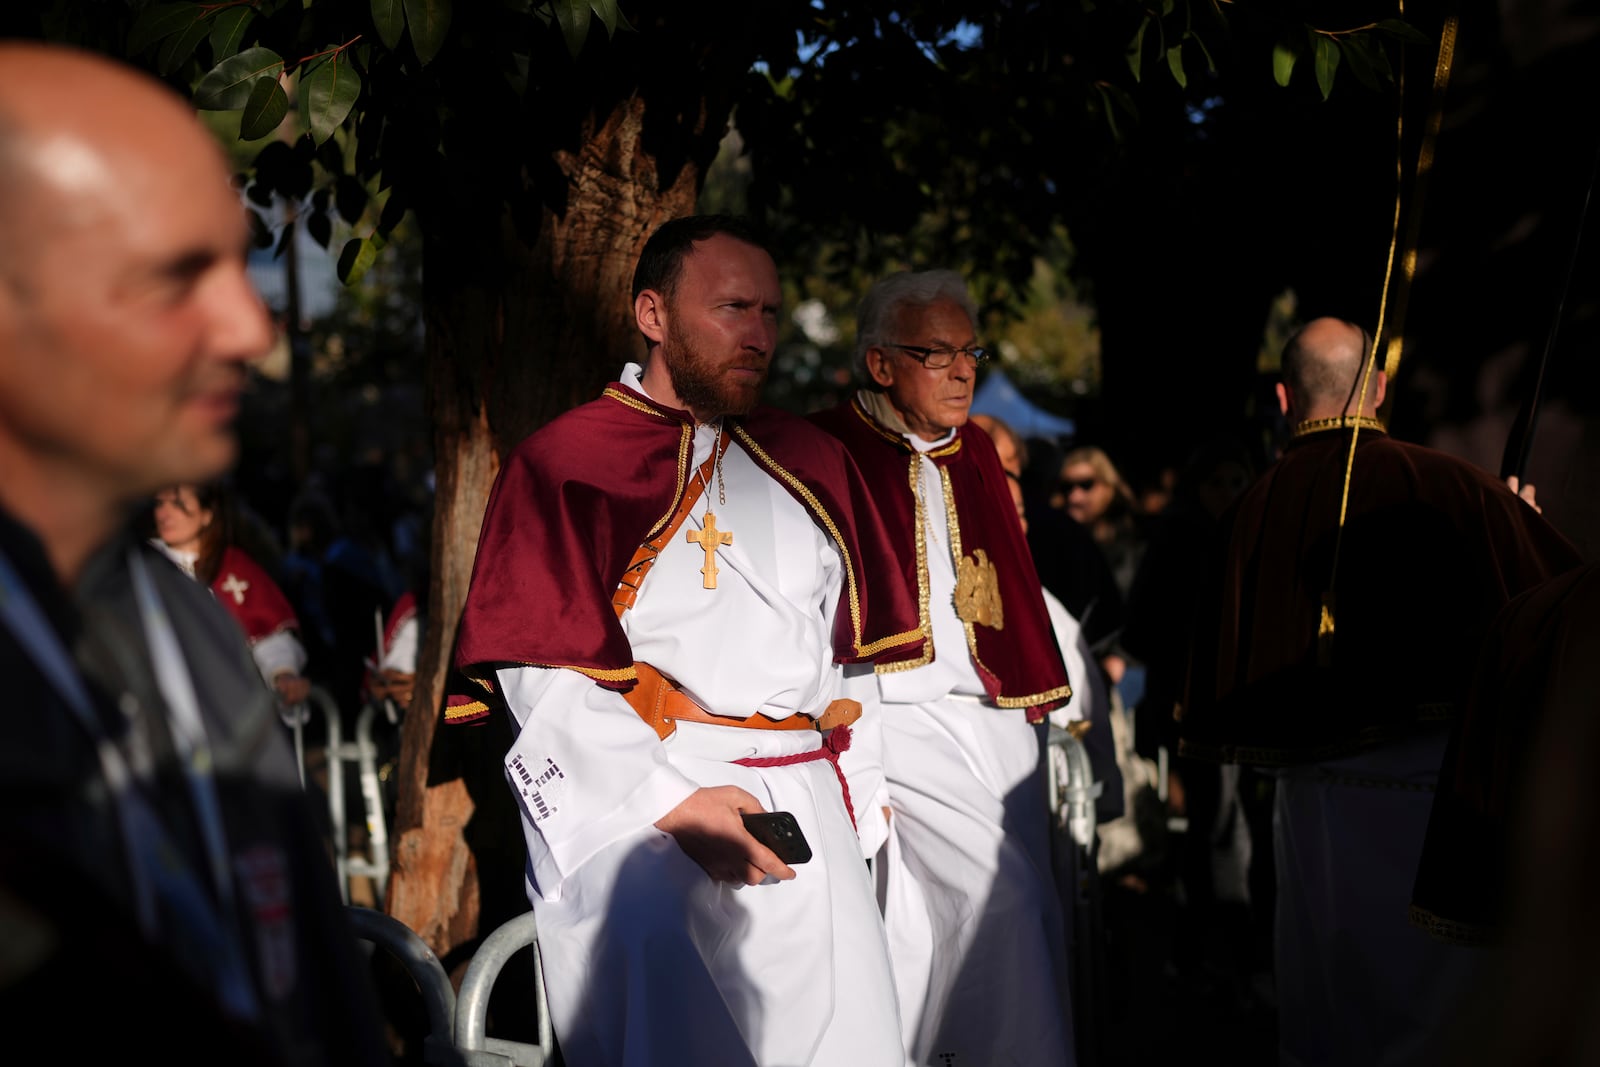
[779,831]
[709,826]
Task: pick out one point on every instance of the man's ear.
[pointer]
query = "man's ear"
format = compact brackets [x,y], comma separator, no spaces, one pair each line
[1283,397]
[650,314]
[879,367]
[1383,387]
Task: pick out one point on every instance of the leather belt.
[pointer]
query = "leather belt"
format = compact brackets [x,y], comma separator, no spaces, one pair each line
[662,704]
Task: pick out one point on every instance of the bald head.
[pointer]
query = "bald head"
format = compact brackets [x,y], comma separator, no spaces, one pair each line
[1322,371]
[70,121]
[127,316]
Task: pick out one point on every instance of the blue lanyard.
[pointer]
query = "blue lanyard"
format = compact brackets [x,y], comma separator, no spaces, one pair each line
[157,870]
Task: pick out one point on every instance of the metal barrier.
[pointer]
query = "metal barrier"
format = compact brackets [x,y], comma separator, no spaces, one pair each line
[457,1022]
[419,961]
[472,1004]
[1072,796]
[1073,790]
[363,752]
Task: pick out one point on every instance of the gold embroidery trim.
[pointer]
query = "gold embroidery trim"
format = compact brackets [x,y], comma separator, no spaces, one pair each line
[876,427]
[816,508]
[456,712]
[953,524]
[632,401]
[898,440]
[1062,692]
[977,596]
[603,674]
[919,525]
[685,453]
[1338,422]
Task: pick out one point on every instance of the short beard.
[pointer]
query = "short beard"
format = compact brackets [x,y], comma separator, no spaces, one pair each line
[697,381]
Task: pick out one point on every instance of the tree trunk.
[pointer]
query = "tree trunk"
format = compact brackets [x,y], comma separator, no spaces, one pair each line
[521,327]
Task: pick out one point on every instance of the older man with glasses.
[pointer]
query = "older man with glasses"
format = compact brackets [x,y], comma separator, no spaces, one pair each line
[975,928]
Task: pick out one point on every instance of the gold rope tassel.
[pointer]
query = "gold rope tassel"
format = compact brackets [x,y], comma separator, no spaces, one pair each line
[1327,621]
[1408,258]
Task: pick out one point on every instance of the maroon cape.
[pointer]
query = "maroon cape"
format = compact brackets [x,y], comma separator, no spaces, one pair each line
[1433,548]
[1519,779]
[1019,661]
[251,596]
[576,499]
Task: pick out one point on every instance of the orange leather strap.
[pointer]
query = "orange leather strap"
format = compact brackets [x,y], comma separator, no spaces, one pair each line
[645,556]
[662,704]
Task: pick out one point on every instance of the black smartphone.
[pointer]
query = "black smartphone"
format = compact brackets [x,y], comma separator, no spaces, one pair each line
[779,832]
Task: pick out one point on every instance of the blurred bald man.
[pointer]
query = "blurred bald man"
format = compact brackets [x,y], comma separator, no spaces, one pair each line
[1339,654]
[161,876]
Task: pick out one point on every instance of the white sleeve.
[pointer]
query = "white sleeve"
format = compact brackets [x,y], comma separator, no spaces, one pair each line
[585,769]
[1075,654]
[279,653]
[862,763]
[1095,700]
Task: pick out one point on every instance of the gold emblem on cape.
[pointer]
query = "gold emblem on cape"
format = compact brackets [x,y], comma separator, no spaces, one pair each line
[978,591]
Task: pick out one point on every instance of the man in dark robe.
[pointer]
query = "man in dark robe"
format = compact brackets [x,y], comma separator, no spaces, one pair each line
[1338,653]
[164,891]
[974,922]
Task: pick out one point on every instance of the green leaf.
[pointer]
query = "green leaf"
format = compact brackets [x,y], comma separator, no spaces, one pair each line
[176,50]
[1113,100]
[357,258]
[319,227]
[265,109]
[1211,64]
[390,20]
[607,10]
[1283,58]
[573,15]
[350,198]
[394,210]
[429,21]
[1136,48]
[1327,62]
[230,84]
[1357,50]
[227,30]
[158,22]
[1402,31]
[1175,63]
[327,96]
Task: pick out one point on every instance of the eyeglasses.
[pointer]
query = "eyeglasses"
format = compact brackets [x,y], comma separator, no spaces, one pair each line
[940,358]
[1082,484]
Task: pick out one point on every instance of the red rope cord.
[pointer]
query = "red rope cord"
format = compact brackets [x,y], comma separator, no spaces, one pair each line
[837,742]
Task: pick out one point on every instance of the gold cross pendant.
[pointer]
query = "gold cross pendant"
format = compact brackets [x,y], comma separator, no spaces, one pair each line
[708,539]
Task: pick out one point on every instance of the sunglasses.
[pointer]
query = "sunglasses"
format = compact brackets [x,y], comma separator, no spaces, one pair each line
[1084,484]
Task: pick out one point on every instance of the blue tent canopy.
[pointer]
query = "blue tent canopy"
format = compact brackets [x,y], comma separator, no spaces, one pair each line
[997,396]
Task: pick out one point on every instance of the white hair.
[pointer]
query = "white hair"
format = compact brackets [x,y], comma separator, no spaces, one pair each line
[880,308]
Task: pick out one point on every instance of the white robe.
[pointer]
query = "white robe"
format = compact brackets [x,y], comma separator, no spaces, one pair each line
[966,884]
[647,960]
